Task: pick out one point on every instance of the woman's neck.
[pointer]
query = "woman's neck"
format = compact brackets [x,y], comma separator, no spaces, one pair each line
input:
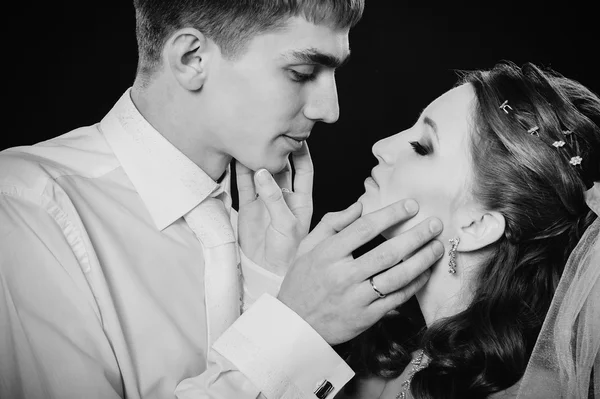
[445,294]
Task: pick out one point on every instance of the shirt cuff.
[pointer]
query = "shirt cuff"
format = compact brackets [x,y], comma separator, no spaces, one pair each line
[257,281]
[281,354]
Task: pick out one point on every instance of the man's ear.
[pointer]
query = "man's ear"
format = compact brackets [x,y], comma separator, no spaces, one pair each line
[480,229]
[188,53]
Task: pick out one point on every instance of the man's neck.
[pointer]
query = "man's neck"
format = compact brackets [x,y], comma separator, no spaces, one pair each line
[158,105]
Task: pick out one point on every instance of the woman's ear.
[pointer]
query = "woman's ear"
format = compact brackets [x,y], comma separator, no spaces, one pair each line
[188,53]
[480,229]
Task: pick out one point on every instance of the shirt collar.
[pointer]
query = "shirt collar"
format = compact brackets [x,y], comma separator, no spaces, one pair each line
[168,182]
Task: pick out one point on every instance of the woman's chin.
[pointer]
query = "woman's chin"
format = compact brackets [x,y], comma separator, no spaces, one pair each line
[366,207]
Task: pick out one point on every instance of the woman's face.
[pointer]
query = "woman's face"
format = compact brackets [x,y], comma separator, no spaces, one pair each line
[429,162]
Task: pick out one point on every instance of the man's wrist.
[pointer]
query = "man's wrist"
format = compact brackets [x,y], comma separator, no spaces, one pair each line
[270,343]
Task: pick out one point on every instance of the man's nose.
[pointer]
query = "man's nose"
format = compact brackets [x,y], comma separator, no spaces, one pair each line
[322,104]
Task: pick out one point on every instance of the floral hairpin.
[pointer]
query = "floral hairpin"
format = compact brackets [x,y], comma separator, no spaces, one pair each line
[535,131]
[576,160]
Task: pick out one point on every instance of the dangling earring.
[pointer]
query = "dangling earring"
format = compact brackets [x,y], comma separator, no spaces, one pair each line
[452,264]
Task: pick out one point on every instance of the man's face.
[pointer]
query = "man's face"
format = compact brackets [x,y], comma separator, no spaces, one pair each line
[264,103]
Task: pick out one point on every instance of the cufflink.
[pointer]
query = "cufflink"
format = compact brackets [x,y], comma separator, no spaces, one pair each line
[324,388]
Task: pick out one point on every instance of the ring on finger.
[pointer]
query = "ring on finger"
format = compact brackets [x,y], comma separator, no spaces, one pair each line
[379,293]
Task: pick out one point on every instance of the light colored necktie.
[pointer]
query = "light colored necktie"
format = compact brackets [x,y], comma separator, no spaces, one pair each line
[211,223]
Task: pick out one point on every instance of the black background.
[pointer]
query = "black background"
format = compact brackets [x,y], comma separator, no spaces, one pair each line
[68,62]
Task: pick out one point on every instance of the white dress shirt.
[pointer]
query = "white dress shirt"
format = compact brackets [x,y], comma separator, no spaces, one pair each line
[101,280]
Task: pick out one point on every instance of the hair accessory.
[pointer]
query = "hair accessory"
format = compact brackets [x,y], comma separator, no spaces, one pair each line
[452,263]
[505,107]
[558,143]
[534,131]
[576,160]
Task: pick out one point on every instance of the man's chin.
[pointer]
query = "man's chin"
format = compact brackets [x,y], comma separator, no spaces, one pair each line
[274,166]
[277,166]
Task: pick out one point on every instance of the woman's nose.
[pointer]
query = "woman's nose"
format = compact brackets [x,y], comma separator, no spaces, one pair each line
[384,150]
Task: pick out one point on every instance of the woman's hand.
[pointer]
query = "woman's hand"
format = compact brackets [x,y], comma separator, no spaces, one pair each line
[272,224]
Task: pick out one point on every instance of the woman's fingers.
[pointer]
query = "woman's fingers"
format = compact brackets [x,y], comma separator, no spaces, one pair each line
[245,184]
[282,218]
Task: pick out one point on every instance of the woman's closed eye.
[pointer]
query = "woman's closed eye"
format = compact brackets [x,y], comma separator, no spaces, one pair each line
[420,148]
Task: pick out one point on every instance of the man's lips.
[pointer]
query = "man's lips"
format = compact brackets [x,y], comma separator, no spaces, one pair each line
[295,142]
[297,137]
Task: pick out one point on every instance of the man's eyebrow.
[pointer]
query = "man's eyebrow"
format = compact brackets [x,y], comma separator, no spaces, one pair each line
[314,56]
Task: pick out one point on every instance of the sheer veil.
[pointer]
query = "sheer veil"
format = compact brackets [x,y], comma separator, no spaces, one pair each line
[567,349]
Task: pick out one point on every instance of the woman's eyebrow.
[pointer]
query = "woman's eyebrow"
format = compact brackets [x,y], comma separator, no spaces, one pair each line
[431,123]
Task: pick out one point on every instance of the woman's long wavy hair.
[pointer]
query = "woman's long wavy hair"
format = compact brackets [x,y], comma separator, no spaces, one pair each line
[524,176]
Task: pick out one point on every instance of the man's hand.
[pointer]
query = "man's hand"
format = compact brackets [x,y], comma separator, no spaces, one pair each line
[272,224]
[331,290]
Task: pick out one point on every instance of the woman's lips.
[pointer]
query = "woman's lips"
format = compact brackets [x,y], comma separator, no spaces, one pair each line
[370,181]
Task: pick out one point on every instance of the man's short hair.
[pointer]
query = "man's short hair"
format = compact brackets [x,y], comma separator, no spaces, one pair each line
[229,23]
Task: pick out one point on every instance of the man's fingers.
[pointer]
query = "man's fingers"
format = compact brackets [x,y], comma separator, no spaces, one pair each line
[400,276]
[370,226]
[245,184]
[282,218]
[304,172]
[330,224]
[394,250]
[334,222]
[381,306]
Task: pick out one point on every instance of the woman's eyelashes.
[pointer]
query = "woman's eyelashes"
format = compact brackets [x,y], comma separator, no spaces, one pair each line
[420,148]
